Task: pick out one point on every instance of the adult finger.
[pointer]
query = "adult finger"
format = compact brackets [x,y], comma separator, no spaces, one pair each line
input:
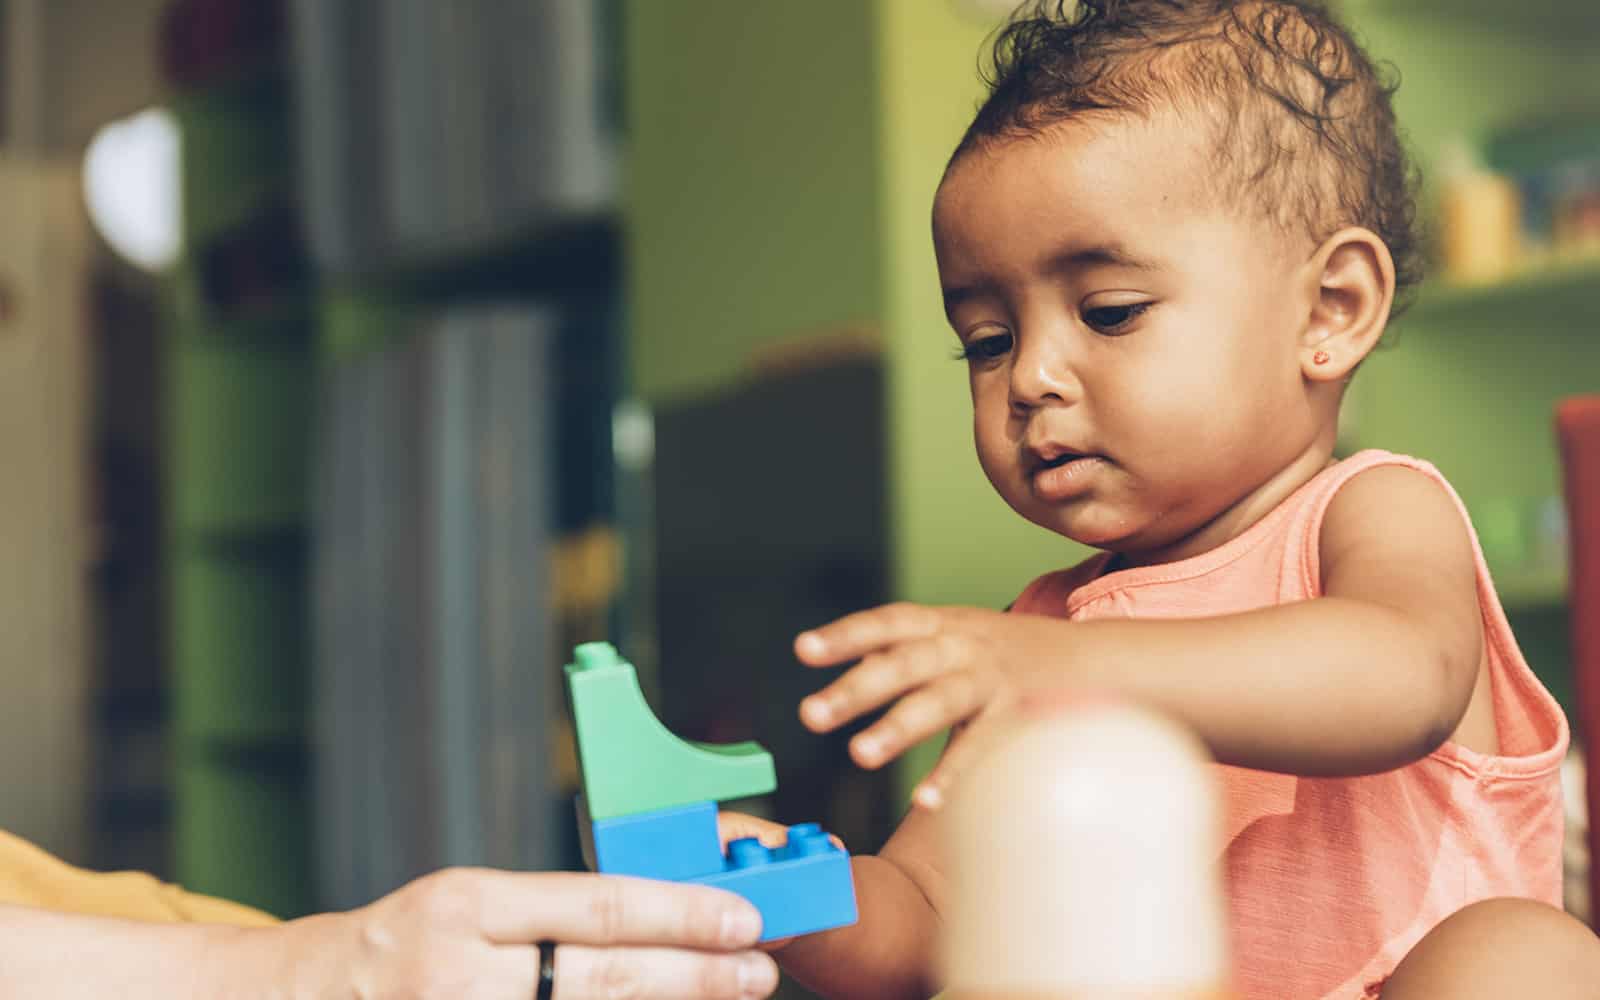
[924,713]
[587,973]
[856,635]
[581,908]
[874,682]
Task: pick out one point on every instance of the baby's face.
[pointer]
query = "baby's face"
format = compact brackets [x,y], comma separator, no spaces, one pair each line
[1132,343]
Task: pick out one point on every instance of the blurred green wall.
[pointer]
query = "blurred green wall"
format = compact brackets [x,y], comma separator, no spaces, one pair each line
[751,196]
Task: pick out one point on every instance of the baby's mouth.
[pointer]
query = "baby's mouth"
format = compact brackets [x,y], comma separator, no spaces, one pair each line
[1047,460]
[1064,475]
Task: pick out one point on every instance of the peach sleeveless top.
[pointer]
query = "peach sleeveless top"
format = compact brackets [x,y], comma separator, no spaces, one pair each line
[1331,881]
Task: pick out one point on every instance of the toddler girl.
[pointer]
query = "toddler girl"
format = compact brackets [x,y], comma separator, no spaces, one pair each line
[1171,235]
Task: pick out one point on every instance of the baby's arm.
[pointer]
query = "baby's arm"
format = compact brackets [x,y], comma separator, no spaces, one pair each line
[1373,675]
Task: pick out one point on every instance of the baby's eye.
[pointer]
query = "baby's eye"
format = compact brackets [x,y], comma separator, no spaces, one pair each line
[1114,319]
[985,348]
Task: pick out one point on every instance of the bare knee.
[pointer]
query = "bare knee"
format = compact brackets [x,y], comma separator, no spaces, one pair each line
[1502,948]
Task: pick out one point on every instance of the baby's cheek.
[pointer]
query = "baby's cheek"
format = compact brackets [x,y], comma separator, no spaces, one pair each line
[989,434]
[1184,397]
[1002,471]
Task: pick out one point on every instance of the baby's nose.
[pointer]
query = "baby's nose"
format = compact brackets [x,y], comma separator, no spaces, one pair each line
[1042,373]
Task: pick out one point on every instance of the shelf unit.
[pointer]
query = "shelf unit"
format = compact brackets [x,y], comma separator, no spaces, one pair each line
[241,370]
[567,255]
[1562,290]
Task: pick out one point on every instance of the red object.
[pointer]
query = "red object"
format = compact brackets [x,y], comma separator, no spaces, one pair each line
[1321,357]
[1578,428]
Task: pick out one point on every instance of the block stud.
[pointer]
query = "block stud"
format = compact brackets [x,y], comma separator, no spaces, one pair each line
[592,655]
[807,840]
[747,852]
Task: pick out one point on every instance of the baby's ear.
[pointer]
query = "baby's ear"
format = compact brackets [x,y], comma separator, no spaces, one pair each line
[1354,275]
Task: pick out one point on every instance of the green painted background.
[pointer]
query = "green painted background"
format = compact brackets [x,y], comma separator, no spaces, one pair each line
[751,204]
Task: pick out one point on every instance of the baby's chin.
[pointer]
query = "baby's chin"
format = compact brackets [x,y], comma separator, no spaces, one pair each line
[1085,522]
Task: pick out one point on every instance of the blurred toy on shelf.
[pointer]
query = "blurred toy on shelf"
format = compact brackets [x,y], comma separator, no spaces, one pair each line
[1482,227]
[1527,197]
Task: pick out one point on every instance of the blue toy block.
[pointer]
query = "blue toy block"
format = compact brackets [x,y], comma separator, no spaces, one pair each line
[655,796]
[800,888]
[672,844]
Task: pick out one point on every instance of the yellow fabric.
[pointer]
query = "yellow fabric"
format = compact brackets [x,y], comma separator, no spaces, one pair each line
[32,877]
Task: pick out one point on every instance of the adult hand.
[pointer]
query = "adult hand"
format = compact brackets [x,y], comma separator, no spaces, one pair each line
[474,933]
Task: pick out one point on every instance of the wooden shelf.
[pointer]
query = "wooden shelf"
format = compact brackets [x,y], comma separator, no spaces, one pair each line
[561,252]
[567,256]
[1554,292]
[1569,20]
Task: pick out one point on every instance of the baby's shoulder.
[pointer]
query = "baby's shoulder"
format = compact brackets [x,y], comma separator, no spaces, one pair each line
[1397,517]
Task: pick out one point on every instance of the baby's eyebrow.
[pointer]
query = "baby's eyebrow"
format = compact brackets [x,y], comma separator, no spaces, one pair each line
[1100,254]
[955,295]
[1069,258]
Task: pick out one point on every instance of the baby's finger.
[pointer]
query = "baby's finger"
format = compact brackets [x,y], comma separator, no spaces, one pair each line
[874,682]
[854,636]
[920,715]
[972,743]
[733,826]
[661,974]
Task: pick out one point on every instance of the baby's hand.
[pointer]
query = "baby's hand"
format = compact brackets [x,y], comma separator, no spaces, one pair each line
[733,826]
[942,667]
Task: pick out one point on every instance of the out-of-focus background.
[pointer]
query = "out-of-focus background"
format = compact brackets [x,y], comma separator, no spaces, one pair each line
[359,357]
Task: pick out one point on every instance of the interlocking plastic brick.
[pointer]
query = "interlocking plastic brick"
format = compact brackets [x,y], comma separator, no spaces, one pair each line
[649,807]
[800,888]
[632,763]
[673,844]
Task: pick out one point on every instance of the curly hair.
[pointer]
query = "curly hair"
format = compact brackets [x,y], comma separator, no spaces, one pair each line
[1302,119]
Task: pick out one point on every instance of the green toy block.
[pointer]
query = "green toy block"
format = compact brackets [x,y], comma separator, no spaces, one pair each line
[632,763]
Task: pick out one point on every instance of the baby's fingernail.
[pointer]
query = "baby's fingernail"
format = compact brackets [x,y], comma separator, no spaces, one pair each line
[816,711]
[868,747]
[758,976]
[740,926]
[928,796]
[809,644]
